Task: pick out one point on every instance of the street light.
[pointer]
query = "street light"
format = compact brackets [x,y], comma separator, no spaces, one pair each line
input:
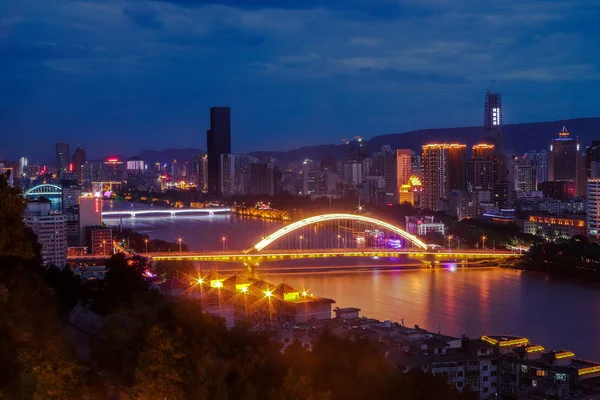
[449,242]
[103,246]
[179,240]
[224,240]
[338,238]
[146,241]
[483,237]
[301,237]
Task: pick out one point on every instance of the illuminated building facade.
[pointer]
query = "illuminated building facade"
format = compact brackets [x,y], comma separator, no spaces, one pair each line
[99,241]
[566,161]
[358,150]
[63,157]
[481,168]
[593,208]
[554,227]
[50,228]
[218,141]
[443,170]
[90,212]
[492,121]
[525,175]
[403,169]
[203,173]
[113,170]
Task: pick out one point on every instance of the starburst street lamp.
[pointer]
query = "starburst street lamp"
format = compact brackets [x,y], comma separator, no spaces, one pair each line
[268,293]
[301,238]
[449,241]
[483,237]
[103,246]
[224,241]
[146,241]
[179,240]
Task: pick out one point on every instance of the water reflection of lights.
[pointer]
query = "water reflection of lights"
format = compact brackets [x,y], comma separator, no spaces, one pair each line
[452,267]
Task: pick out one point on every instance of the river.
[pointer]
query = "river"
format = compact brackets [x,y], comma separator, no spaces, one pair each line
[555,313]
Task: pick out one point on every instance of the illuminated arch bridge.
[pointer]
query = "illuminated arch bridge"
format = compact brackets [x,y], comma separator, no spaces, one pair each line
[43,190]
[359,228]
[333,235]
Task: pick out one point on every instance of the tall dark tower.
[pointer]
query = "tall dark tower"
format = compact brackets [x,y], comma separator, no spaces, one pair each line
[492,120]
[218,141]
[78,162]
[63,157]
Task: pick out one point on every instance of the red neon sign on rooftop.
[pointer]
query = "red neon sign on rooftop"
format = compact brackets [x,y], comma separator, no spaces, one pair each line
[112,159]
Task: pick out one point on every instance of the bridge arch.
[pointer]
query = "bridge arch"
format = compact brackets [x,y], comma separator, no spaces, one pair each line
[45,188]
[331,217]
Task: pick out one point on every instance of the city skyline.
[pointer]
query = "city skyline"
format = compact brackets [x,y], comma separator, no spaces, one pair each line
[147,79]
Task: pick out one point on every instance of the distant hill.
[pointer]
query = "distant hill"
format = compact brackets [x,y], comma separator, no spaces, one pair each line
[168,155]
[518,137]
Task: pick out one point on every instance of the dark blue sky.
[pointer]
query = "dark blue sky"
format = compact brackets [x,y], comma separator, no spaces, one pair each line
[119,76]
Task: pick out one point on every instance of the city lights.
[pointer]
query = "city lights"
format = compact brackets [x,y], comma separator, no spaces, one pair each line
[268,293]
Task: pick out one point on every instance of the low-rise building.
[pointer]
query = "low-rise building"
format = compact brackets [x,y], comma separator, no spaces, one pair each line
[553,226]
[423,224]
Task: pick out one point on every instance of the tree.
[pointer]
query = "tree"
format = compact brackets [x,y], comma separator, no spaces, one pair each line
[159,373]
[297,388]
[14,241]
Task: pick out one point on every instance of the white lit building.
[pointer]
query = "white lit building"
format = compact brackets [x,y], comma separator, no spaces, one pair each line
[50,229]
[593,208]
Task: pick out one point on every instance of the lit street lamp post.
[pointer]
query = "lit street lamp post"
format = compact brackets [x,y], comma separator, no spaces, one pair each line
[146,241]
[224,240]
[179,240]
[103,246]
[449,242]
[483,241]
[301,237]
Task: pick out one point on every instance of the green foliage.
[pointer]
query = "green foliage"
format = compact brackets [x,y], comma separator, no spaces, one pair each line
[13,237]
[575,257]
[160,371]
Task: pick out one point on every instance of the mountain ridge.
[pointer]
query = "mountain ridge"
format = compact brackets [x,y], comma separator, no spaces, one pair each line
[518,137]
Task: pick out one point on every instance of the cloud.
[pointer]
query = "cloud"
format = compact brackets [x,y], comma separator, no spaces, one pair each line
[143,16]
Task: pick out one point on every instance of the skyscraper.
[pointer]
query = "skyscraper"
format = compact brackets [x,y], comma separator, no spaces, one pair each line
[62,158]
[481,168]
[403,169]
[203,173]
[443,171]
[492,122]
[566,161]
[218,141]
[78,162]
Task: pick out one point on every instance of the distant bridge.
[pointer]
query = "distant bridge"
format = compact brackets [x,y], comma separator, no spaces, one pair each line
[169,212]
[331,236]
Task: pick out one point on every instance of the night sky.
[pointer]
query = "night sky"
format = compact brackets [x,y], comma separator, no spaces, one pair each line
[123,76]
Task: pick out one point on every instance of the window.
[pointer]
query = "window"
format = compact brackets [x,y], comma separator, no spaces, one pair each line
[485,367]
[485,390]
[485,378]
[460,373]
[540,372]
[459,384]
[494,373]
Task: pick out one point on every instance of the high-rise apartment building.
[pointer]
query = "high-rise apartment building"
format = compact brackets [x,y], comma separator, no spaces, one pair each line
[492,122]
[403,167]
[265,178]
[593,155]
[218,141]
[540,159]
[50,229]
[63,156]
[78,163]
[593,208]
[234,174]
[525,175]
[113,170]
[481,167]
[203,173]
[566,161]
[443,171]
